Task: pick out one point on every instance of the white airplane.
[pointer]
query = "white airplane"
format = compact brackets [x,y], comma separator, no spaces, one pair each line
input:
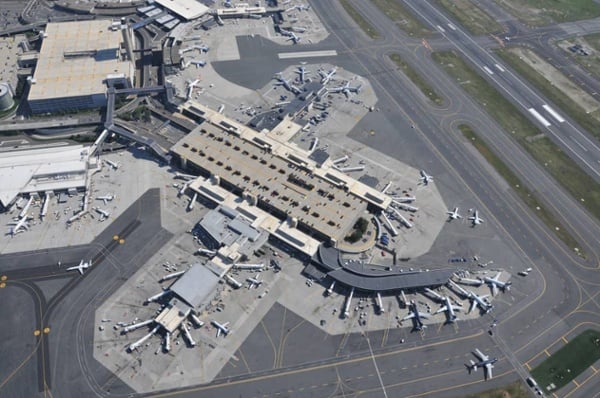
[416,315]
[20,225]
[479,301]
[326,77]
[190,87]
[282,81]
[425,178]
[471,282]
[301,70]
[346,89]
[254,282]
[106,198]
[104,213]
[476,219]
[496,283]
[114,165]
[449,309]
[82,265]
[221,328]
[199,63]
[484,362]
[434,295]
[453,215]
[291,36]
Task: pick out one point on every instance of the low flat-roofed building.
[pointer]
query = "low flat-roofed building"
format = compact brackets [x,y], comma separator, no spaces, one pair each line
[186,9]
[195,286]
[74,62]
[41,170]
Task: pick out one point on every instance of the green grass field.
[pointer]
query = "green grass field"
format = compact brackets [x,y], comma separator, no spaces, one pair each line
[569,362]
[513,390]
[473,18]
[417,79]
[586,120]
[524,192]
[576,181]
[402,17]
[544,12]
[360,20]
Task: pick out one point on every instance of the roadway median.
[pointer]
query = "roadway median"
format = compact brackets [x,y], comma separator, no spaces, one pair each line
[417,79]
[360,20]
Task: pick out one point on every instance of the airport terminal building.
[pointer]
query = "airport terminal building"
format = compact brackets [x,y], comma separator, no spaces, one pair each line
[76,63]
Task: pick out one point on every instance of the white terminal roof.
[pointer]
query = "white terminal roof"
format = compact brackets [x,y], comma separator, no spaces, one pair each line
[186,9]
[38,170]
[196,285]
[77,74]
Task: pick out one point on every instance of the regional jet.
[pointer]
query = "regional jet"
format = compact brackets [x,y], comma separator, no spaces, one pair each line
[82,265]
[198,62]
[104,214]
[327,76]
[20,225]
[190,87]
[301,70]
[346,89]
[449,309]
[425,178]
[479,301]
[416,316]
[254,282]
[475,218]
[484,362]
[496,283]
[286,83]
[453,215]
[221,328]
[106,198]
[291,36]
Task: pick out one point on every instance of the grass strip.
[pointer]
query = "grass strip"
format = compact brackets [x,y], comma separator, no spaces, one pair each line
[584,119]
[526,195]
[545,12]
[360,20]
[416,78]
[560,166]
[568,362]
[402,17]
[513,390]
[473,18]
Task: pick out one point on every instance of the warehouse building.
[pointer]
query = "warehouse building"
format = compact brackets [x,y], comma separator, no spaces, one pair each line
[76,63]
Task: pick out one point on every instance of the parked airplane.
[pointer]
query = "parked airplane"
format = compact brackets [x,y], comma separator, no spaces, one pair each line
[82,265]
[114,165]
[254,282]
[221,328]
[484,362]
[301,70]
[425,178]
[476,219]
[416,315]
[346,89]
[20,225]
[449,309]
[291,36]
[190,87]
[479,301]
[104,214]
[327,76]
[199,63]
[453,215]
[106,198]
[282,81]
[496,283]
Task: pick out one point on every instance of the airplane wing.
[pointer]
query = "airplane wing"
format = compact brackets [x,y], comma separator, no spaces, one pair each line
[444,308]
[473,305]
[481,355]
[422,315]
[494,289]
[409,316]
[218,332]
[488,371]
